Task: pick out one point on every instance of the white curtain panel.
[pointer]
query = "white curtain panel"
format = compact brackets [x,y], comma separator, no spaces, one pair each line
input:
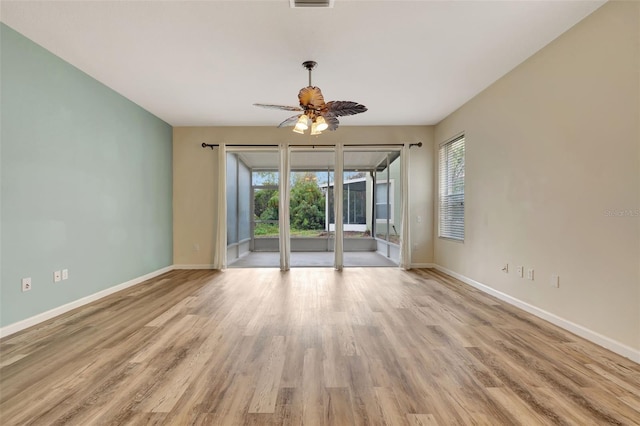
[220,249]
[283,208]
[405,236]
[337,205]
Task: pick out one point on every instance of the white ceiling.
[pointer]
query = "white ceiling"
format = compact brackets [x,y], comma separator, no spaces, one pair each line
[206,62]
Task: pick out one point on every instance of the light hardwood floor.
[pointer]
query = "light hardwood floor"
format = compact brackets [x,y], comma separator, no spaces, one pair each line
[310,346]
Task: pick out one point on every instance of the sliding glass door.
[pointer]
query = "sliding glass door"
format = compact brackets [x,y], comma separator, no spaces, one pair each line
[372,200]
[312,236]
[253,226]
[340,207]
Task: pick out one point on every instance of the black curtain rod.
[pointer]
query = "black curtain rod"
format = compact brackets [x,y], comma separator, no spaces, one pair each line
[213,145]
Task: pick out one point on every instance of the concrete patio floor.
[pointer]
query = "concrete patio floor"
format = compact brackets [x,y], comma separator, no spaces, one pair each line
[312,259]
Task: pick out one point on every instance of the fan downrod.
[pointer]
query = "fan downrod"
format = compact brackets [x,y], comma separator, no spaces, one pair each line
[309,65]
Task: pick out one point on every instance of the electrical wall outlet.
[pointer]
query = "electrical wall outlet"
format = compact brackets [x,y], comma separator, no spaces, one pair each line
[530,274]
[26,284]
[65,274]
[57,276]
[505,268]
[555,281]
[520,271]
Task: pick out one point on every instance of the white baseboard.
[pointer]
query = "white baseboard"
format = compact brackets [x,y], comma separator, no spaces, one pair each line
[597,338]
[423,265]
[194,267]
[36,319]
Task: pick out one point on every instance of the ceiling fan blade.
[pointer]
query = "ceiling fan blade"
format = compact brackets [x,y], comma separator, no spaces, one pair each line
[342,108]
[311,97]
[333,122]
[290,121]
[282,107]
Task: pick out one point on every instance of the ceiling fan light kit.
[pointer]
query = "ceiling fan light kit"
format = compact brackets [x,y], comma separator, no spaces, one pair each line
[321,115]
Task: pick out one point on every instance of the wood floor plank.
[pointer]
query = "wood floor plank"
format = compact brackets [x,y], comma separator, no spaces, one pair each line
[619,382]
[309,346]
[289,407]
[266,393]
[421,420]
[391,412]
[338,408]
[522,413]
[312,389]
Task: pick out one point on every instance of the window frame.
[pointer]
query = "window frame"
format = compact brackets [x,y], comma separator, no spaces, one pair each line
[448,227]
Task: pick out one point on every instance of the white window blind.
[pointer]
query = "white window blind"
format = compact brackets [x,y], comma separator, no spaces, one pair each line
[452,189]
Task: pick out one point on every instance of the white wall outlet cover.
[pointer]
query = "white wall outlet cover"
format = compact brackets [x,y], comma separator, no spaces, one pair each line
[57,276]
[26,284]
[65,274]
[530,274]
[521,271]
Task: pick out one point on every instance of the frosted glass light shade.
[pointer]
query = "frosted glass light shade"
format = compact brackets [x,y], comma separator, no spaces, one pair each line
[321,124]
[302,124]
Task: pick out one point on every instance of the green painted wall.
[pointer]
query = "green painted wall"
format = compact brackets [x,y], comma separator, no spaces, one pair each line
[86,183]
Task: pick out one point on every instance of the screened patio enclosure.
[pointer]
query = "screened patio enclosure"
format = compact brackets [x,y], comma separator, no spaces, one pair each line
[316,207]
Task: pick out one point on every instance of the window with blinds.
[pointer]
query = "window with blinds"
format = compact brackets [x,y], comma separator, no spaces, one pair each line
[452,189]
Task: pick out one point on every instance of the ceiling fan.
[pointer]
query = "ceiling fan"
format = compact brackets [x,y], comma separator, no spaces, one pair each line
[314,111]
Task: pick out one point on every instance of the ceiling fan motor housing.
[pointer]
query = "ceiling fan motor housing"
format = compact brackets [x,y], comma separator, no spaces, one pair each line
[309,65]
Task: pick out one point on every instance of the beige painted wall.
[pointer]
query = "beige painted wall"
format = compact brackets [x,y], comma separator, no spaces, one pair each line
[551,148]
[195,180]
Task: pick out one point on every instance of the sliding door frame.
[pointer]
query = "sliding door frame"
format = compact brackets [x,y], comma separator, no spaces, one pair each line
[284,151]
